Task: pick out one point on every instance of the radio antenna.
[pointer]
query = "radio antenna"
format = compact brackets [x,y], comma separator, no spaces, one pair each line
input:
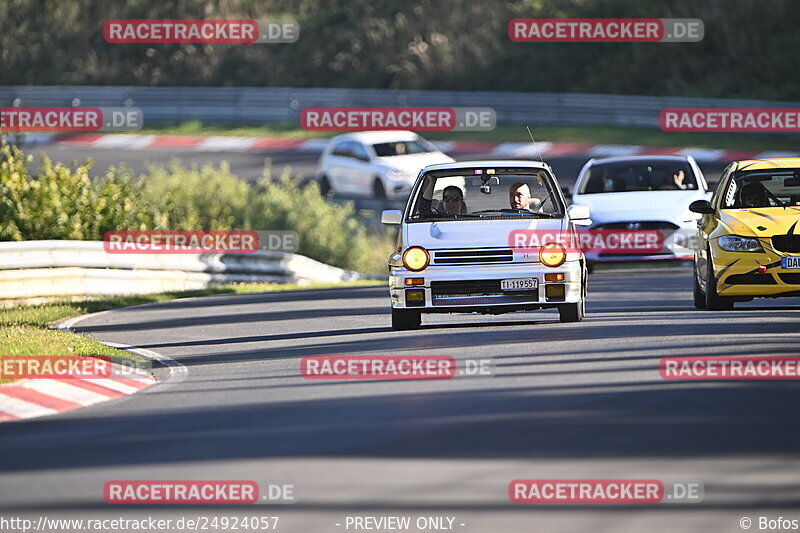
[534,144]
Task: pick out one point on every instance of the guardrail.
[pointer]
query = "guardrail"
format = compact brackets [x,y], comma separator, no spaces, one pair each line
[259,105]
[35,269]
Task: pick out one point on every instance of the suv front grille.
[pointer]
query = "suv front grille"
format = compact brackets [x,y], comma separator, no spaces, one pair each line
[645,224]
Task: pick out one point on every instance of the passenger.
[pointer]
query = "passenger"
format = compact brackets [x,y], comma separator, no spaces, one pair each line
[519,196]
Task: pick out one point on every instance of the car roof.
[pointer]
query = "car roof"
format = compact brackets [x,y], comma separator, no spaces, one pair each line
[640,158]
[372,137]
[490,163]
[766,164]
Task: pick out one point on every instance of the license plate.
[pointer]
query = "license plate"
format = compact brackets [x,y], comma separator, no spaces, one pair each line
[519,284]
[790,262]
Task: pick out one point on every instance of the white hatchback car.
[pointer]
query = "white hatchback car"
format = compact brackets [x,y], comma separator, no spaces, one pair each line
[643,193]
[457,250]
[378,164]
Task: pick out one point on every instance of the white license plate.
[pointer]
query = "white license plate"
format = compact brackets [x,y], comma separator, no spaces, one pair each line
[519,284]
[790,262]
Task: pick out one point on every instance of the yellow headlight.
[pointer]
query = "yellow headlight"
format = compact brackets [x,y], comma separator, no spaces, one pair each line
[552,254]
[416,258]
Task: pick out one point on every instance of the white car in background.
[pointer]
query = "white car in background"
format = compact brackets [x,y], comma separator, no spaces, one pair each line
[378,164]
[643,193]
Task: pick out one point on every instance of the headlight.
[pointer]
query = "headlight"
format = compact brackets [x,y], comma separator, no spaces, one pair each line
[735,243]
[398,175]
[552,254]
[416,258]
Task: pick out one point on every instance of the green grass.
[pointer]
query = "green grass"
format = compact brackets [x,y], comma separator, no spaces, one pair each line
[506,133]
[24,329]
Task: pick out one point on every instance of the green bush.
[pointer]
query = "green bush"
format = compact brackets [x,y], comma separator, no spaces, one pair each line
[64,202]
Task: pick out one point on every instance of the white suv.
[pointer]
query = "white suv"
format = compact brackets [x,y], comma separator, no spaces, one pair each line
[459,251]
[378,164]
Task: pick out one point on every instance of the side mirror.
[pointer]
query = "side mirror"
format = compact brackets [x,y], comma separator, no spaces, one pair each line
[392,217]
[578,212]
[579,215]
[701,206]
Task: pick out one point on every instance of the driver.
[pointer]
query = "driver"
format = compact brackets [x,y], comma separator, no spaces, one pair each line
[754,195]
[453,200]
[519,196]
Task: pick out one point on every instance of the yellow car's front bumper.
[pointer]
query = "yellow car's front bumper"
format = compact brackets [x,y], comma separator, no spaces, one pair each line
[753,273]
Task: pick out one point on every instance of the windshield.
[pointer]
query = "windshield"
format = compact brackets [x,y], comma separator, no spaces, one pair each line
[630,176]
[763,188]
[394,148]
[472,195]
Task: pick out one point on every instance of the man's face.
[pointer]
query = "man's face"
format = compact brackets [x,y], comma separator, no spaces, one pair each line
[452,202]
[520,197]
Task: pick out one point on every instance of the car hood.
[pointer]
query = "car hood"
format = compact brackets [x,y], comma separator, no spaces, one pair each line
[638,205]
[474,233]
[413,163]
[774,220]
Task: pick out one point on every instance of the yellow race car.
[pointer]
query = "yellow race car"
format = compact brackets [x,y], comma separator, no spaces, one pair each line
[748,242]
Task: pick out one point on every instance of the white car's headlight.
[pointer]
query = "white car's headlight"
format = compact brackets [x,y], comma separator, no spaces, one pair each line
[735,243]
[398,175]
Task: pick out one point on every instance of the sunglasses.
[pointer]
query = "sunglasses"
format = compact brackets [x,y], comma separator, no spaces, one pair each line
[452,198]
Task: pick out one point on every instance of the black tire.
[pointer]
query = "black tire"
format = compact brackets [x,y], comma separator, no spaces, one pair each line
[714,302]
[590,267]
[325,187]
[403,319]
[574,312]
[378,192]
[699,297]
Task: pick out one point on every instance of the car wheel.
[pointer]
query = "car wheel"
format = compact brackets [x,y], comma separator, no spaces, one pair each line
[699,297]
[325,186]
[574,312]
[714,302]
[378,192]
[403,319]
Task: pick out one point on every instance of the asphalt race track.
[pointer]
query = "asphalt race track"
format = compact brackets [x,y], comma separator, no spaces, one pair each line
[580,401]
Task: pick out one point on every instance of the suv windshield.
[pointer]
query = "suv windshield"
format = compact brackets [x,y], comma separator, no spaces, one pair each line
[630,176]
[473,194]
[763,188]
[402,148]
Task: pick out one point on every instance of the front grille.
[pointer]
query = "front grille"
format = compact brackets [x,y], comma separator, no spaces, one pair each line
[478,287]
[644,224]
[466,257]
[632,254]
[791,279]
[786,243]
[750,279]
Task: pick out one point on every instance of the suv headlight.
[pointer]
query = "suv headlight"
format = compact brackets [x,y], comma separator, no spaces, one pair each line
[736,243]
[552,254]
[416,259]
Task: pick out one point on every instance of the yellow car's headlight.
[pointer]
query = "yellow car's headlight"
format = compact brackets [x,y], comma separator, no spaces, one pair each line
[416,258]
[552,254]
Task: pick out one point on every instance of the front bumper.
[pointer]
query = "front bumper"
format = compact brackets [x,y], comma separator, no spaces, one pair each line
[485,297]
[737,273]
